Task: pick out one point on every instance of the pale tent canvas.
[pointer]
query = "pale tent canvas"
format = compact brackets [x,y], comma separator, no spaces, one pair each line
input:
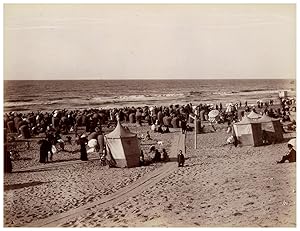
[253,115]
[272,127]
[248,132]
[123,146]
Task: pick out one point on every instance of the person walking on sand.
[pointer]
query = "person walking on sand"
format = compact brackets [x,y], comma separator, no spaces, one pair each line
[291,156]
[180,159]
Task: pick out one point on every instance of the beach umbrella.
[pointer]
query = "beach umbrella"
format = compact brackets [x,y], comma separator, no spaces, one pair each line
[213,113]
[92,143]
[292,142]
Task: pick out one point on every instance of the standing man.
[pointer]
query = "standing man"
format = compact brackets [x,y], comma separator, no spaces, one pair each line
[180,159]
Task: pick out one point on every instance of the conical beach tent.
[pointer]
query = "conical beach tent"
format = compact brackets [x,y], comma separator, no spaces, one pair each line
[248,132]
[123,147]
[254,115]
[272,128]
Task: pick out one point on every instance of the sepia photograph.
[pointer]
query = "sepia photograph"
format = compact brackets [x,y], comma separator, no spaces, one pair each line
[149,115]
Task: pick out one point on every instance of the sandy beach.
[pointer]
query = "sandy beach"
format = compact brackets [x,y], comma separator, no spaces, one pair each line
[220,186]
[74,73]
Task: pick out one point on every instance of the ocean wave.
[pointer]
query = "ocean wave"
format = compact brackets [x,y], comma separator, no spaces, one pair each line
[252,90]
[29,103]
[136,98]
[18,100]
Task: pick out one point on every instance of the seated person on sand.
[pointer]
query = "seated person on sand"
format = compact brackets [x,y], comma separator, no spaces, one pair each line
[152,148]
[291,156]
[103,158]
[148,136]
[167,130]
[265,137]
[159,129]
[142,158]
[189,129]
[166,157]
[157,156]
[153,127]
[59,140]
[232,140]
[292,126]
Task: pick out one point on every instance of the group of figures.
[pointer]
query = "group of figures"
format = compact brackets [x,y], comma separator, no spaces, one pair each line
[63,122]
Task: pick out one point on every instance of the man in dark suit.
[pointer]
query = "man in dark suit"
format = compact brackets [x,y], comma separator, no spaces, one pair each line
[291,157]
[180,159]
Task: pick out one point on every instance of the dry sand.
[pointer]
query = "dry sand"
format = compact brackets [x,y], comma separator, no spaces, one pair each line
[220,186]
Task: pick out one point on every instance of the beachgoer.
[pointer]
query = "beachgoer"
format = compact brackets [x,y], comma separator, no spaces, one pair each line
[142,158]
[59,140]
[152,148]
[7,160]
[103,158]
[167,130]
[159,129]
[148,136]
[45,148]
[157,156]
[153,128]
[83,142]
[166,157]
[183,126]
[291,156]
[180,159]
[69,140]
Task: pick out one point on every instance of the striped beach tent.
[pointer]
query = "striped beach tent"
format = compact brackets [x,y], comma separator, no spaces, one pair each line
[253,115]
[248,132]
[123,147]
[272,128]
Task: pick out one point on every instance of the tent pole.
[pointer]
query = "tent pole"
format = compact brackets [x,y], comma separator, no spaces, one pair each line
[195,132]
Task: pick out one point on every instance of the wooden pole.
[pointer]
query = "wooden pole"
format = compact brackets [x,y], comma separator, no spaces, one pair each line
[195,128]
[195,132]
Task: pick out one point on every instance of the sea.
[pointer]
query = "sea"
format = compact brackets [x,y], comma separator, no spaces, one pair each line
[49,95]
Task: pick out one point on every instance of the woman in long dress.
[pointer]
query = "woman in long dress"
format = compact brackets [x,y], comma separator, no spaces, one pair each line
[83,153]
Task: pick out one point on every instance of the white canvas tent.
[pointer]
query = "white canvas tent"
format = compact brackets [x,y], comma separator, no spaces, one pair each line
[272,128]
[253,115]
[248,132]
[123,147]
[282,94]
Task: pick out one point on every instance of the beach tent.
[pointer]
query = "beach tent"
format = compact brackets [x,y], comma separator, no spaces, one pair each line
[253,115]
[248,132]
[272,127]
[282,94]
[293,142]
[123,147]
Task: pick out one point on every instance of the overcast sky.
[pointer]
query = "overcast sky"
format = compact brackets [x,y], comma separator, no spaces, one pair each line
[149,41]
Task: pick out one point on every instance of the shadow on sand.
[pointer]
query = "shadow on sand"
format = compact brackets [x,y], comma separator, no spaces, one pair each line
[23,185]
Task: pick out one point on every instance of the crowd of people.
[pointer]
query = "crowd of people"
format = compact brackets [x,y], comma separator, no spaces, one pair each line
[64,122]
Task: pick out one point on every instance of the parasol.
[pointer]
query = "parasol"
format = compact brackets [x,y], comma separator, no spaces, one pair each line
[213,113]
[292,142]
[92,143]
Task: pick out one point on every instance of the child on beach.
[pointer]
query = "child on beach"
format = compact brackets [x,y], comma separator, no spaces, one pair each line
[180,159]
